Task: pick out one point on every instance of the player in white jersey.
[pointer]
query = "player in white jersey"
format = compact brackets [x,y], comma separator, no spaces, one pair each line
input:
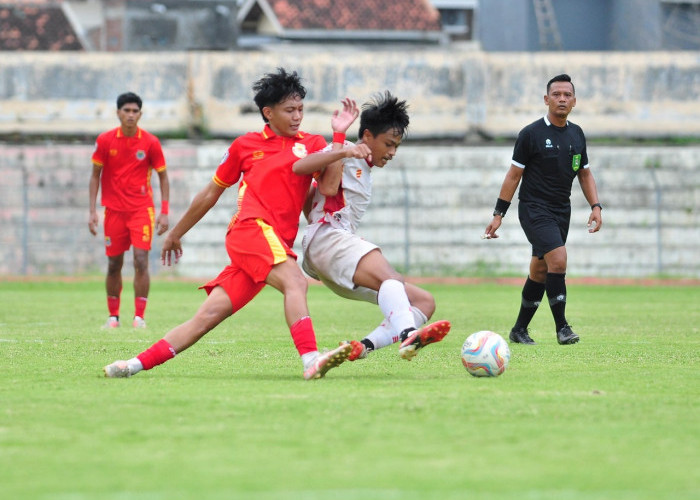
[349,265]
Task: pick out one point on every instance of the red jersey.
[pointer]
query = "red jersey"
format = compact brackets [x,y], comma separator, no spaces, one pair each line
[126,164]
[269,189]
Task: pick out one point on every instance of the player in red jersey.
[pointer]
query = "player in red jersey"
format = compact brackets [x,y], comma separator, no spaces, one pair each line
[261,234]
[122,164]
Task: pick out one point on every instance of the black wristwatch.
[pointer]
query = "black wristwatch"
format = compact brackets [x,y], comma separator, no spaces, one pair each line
[597,205]
[498,212]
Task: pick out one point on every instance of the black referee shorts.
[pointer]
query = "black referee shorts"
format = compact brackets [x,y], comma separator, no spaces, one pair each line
[546,227]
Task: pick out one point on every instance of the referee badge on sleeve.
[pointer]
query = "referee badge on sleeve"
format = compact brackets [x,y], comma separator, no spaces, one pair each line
[576,162]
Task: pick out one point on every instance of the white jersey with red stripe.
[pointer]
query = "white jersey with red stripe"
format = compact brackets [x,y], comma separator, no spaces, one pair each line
[332,250]
[348,206]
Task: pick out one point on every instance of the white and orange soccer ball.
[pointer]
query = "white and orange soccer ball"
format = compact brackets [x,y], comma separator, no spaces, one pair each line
[485,354]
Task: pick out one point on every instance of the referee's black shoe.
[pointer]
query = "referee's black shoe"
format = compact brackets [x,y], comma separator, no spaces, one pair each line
[566,335]
[520,335]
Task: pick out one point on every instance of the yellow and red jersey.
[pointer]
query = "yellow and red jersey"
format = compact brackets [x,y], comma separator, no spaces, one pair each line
[127,163]
[269,189]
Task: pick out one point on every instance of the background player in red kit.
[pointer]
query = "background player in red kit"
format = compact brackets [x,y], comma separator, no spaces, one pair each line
[261,235]
[122,164]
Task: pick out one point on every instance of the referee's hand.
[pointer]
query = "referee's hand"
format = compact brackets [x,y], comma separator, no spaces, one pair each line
[492,228]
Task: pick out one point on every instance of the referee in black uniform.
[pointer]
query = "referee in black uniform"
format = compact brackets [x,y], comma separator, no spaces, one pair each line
[549,153]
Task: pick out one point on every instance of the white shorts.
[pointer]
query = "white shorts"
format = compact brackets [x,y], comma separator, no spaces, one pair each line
[332,257]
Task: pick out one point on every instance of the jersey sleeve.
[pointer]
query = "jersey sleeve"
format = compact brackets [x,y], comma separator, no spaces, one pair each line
[99,155]
[319,143]
[521,150]
[156,156]
[584,153]
[229,170]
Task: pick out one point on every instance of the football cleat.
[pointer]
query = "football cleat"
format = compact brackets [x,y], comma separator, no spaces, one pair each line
[139,322]
[426,335]
[326,361]
[566,336]
[112,322]
[118,369]
[359,350]
[520,335]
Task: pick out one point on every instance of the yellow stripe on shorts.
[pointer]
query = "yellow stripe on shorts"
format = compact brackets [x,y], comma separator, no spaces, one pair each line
[279,254]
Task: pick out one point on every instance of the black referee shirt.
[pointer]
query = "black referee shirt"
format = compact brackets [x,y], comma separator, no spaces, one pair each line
[551,157]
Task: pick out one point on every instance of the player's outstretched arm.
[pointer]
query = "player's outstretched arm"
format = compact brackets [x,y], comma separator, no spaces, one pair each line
[331,175]
[342,119]
[318,161]
[201,204]
[510,184]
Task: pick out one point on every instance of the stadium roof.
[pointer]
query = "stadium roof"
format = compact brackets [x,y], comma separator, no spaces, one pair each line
[37,25]
[336,20]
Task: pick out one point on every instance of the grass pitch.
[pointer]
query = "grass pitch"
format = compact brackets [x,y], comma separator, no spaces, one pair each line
[613,417]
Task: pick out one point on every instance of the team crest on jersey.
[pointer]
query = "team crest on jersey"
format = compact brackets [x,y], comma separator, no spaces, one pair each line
[112,152]
[140,154]
[358,173]
[548,144]
[257,155]
[299,150]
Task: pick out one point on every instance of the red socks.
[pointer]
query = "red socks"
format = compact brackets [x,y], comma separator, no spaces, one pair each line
[157,354]
[140,306]
[303,336]
[113,305]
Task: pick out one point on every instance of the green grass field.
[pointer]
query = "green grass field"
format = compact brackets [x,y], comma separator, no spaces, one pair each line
[613,417]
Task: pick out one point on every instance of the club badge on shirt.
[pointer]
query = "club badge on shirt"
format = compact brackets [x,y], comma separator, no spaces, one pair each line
[140,154]
[299,150]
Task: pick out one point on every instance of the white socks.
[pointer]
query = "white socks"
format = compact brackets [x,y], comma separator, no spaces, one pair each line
[384,335]
[309,358]
[134,365]
[395,306]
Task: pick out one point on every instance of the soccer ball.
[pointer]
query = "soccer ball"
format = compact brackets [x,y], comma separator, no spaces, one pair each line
[485,354]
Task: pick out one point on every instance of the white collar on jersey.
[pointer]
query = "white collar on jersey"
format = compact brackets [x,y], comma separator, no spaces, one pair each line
[548,123]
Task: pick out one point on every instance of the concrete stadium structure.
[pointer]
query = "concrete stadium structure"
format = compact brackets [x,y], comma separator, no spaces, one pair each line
[431,203]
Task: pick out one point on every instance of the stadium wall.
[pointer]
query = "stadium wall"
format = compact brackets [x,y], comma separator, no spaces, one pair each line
[430,206]
[453,93]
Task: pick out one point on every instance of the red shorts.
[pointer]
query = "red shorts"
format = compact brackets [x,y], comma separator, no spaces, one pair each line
[254,247]
[123,229]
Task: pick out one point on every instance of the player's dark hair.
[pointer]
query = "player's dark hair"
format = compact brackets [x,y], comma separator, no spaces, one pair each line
[561,78]
[384,112]
[128,98]
[274,88]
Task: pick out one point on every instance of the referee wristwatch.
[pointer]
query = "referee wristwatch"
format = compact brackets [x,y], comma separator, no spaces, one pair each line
[498,212]
[597,205]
